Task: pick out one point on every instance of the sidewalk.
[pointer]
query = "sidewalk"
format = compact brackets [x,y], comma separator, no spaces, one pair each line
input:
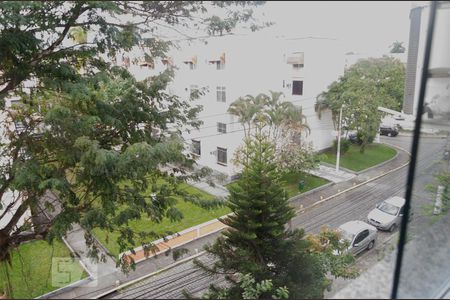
[331,174]
[75,238]
[107,281]
[217,190]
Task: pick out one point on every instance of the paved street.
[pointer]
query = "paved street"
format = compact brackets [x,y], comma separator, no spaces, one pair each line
[351,205]
[429,163]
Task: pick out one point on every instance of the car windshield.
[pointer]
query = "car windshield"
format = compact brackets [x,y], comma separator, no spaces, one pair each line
[388,208]
[346,235]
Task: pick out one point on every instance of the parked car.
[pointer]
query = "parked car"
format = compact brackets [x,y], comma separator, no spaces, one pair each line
[353,137]
[361,235]
[388,214]
[388,130]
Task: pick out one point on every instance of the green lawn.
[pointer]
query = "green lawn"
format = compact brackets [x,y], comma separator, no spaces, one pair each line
[311,182]
[292,183]
[31,271]
[192,215]
[354,160]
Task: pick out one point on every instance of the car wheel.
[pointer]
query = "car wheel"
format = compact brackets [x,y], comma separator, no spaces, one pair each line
[371,244]
[389,134]
[392,228]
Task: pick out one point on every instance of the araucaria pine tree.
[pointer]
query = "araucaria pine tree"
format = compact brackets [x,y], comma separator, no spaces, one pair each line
[258,241]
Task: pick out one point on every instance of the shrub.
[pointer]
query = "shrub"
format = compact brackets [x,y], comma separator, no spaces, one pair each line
[345,145]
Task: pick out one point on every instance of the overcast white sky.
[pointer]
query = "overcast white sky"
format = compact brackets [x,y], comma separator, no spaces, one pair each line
[363,26]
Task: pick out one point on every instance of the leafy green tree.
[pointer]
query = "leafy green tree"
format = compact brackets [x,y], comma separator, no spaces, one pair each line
[397,47]
[246,109]
[363,88]
[251,290]
[258,242]
[87,135]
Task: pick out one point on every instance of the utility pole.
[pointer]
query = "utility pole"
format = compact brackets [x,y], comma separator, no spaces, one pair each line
[338,155]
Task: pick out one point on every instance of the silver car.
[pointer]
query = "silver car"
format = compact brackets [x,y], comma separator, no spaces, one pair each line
[361,235]
[387,215]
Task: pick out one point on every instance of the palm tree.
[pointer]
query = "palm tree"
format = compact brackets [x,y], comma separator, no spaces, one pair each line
[285,117]
[282,118]
[294,123]
[245,110]
[275,109]
[322,104]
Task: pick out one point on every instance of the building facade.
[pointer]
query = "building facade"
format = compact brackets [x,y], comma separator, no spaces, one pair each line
[225,68]
[437,97]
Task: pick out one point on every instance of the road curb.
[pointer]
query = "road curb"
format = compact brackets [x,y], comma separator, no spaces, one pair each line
[398,147]
[302,210]
[297,212]
[317,189]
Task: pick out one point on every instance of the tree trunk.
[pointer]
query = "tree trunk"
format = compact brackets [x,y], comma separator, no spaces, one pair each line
[4,246]
[363,147]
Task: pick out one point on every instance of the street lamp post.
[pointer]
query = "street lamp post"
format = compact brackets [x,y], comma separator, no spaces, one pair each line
[338,155]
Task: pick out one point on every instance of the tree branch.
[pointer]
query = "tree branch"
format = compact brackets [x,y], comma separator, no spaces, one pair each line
[15,218]
[22,237]
[8,208]
[59,40]
[77,11]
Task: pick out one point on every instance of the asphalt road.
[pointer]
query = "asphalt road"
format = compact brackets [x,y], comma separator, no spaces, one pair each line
[356,204]
[352,205]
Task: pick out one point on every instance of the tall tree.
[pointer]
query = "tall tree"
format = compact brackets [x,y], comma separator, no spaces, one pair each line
[258,242]
[364,87]
[86,135]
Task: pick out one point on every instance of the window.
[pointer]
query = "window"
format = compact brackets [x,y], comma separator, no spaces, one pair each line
[126,61]
[191,64]
[221,127]
[221,156]
[196,148]
[15,102]
[220,65]
[145,61]
[221,95]
[297,66]
[361,236]
[297,87]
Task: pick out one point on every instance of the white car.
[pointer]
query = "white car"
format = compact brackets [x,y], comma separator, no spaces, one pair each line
[361,235]
[388,214]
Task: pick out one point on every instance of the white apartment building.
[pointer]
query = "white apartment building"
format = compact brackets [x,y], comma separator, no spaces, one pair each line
[230,67]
